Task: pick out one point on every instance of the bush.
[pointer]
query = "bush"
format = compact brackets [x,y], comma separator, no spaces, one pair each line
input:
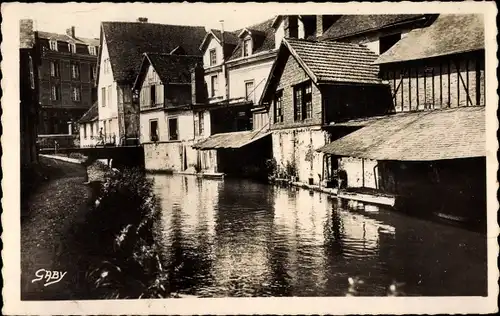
[122,224]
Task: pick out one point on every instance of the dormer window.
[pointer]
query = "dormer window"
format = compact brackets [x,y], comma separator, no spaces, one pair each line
[247,47]
[92,50]
[72,48]
[53,45]
[213,57]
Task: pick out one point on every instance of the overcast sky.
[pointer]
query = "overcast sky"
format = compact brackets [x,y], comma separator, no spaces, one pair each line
[87,17]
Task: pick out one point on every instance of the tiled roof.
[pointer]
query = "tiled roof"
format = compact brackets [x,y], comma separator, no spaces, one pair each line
[336,61]
[68,39]
[418,136]
[349,25]
[231,140]
[91,115]
[449,34]
[263,40]
[174,68]
[127,41]
[229,37]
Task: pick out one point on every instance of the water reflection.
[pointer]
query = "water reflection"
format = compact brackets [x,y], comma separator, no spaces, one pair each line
[238,238]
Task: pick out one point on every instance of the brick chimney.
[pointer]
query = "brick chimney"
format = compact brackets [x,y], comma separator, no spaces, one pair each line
[71,32]
[198,93]
[26,35]
[142,20]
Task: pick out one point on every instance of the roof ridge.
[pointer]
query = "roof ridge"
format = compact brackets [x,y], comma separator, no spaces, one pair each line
[153,23]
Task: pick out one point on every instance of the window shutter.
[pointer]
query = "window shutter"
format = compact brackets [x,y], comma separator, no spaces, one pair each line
[159,94]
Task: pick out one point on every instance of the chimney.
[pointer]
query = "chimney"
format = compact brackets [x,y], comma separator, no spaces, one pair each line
[142,20]
[71,32]
[26,35]
[291,26]
[197,84]
[319,26]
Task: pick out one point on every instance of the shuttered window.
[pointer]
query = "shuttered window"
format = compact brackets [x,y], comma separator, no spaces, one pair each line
[303,101]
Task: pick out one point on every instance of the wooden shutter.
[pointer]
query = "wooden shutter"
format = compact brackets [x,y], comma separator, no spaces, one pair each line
[159,94]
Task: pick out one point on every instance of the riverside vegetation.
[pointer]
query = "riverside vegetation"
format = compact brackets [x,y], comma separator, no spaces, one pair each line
[119,231]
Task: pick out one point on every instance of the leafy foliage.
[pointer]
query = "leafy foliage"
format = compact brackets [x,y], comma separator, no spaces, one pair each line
[120,229]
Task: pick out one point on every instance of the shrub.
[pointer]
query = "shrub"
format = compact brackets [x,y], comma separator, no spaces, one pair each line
[122,224]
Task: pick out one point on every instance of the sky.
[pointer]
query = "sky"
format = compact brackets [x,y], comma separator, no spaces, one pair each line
[86,17]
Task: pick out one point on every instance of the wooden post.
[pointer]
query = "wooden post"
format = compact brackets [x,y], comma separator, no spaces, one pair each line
[441,84]
[478,82]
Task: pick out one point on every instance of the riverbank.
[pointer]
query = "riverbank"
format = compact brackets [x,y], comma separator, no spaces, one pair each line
[57,200]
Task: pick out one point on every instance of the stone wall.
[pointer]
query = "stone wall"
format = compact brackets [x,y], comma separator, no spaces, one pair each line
[295,149]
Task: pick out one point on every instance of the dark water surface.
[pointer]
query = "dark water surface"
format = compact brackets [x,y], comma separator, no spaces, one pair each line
[239,238]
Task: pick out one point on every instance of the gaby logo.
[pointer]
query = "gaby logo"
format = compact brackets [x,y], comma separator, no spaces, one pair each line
[50,277]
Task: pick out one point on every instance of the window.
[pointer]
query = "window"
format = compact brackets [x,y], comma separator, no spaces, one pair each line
[153,130]
[54,69]
[75,94]
[55,92]
[103,96]
[32,73]
[106,66]
[92,72]
[303,102]
[71,48]
[153,95]
[84,131]
[75,71]
[201,118]
[386,42]
[213,57]
[247,47]
[109,95]
[53,45]
[199,124]
[249,91]
[172,129]
[278,109]
[92,50]
[214,85]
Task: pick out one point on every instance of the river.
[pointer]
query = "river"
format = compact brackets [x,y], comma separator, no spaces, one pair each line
[230,238]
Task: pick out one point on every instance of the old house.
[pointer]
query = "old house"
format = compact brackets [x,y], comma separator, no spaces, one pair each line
[312,86]
[168,123]
[237,65]
[123,45]
[89,127]
[66,80]
[434,144]
[28,88]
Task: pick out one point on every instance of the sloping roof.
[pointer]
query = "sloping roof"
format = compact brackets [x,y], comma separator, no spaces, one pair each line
[418,136]
[263,40]
[68,39]
[349,25]
[231,140]
[335,61]
[449,34]
[127,41]
[230,39]
[91,115]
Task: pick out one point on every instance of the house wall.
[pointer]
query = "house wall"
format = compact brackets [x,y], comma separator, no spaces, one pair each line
[55,113]
[213,44]
[256,72]
[151,79]
[360,172]
[91,138]
[145,118]
[297,148]
[260,120]
[372,40]
[437,83]
[294,74]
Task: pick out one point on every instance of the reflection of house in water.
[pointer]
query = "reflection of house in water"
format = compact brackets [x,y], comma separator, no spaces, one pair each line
[300,221]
